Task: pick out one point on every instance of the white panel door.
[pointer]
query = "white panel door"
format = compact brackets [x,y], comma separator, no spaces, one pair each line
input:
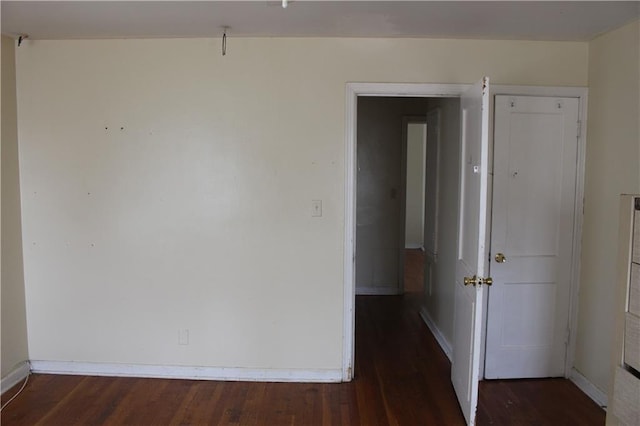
[471,264]
[535,161]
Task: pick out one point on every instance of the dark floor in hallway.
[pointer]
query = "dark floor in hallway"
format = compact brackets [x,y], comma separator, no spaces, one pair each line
[413,270]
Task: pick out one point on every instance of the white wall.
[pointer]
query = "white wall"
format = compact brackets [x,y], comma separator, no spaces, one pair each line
[439,297]
[14,328]
[167,187]
[612,168]
[379,200]
[416,157]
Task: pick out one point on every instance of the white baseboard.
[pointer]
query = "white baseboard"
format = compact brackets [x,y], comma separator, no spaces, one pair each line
[412,246]
[442,341]
[186,372]
[588,388]
[14,377]
[377,291]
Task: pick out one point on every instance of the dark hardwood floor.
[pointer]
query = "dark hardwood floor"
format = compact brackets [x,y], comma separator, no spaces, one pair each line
[536,402]
[413,270]
[402,378]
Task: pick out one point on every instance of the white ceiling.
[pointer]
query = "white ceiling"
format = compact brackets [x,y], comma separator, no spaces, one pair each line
[529,20]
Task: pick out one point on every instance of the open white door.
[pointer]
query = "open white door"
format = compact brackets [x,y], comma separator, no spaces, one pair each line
[472,259]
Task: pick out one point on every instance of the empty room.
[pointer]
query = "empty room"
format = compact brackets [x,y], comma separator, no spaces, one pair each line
[204,211]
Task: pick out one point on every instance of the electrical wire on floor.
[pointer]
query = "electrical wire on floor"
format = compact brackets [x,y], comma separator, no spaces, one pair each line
[26,380]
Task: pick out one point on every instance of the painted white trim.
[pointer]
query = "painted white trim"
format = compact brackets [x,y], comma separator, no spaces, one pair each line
[582,94]
[186,372]
[577,232]
[426,90]
[349,290]
[378,291]
[353,90]
[442,341]
[551,91]
[588,388]
[15,376]
[414,246]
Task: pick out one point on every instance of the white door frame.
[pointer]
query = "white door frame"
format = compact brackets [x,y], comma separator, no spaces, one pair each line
[581,93]
[353,91]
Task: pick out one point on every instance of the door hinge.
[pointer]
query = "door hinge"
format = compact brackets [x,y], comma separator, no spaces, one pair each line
[579,133]
[567,337]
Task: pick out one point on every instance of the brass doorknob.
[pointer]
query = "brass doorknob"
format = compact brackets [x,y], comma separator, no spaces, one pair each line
[487,281]
[500,258]
[470,280]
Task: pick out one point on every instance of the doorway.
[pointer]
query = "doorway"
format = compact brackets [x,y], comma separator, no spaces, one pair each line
[390,190]
[398,168]
[471,140]
[421,265]
[414,158]
[353,162]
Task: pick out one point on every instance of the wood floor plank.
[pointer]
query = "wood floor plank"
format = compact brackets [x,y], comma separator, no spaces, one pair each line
[413,270]
[183,410]
[41,395]
[539,401]
[128,401]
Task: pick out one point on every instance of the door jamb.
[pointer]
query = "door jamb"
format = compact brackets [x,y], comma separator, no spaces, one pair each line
[353,90]
[581,93]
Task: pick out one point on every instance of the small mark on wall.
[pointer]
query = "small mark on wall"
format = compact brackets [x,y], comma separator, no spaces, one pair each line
[107,128]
